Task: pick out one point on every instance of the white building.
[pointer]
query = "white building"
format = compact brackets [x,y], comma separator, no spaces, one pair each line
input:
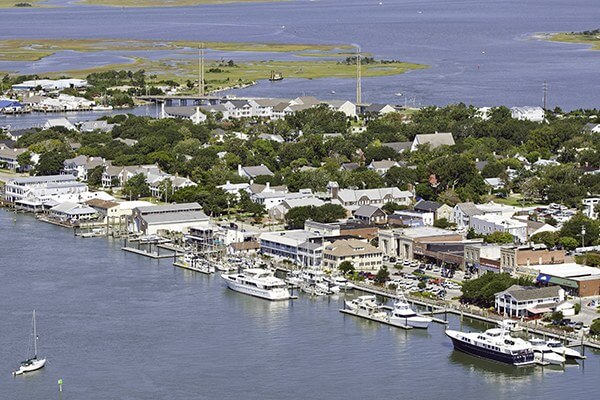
[352,199]
[189,113]
[411,218]
[434,140]
[519,301]
[298,246]
[173,217]
[590,207]
[50,84]
[42,188]
[81,165]
[487,224]
[535,114]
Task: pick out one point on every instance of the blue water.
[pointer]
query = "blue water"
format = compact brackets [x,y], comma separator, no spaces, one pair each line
[115,325]
[480,51]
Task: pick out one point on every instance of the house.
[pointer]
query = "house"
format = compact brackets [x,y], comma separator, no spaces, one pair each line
[399,147]
[433,140]
[591,128]
[71,212]
[234,188]
[591,207]
[343,106]
[216,109]
[383,166]
[351,199]
[242,108]
[252,172]
[408,242]
[494,183]
[368,214]
[361,254]
[81,165]
[441,211]
[279,211]
[462,214]
[535,114]
[490,223]
[350,166]
[149,220]
[59,123]
[535,227]
[9,159]
[177,182]
[93,126]
[528,301]
[189,113]
[271,199]
[411,218]
[127,142]
[377,109]
[271,137]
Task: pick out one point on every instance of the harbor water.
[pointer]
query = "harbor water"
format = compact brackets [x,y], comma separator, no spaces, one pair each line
[117,325]
[480,52]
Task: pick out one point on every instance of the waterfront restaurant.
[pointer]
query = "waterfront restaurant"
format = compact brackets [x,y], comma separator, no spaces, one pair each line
[528,301]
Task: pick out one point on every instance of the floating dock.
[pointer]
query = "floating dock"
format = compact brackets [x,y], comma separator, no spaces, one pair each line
[156,256]
[184,266]
[381,321]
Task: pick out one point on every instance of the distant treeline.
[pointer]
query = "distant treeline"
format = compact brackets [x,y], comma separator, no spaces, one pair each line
[588,33]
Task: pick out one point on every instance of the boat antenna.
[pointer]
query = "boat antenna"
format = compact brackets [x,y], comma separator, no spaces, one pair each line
[34,337]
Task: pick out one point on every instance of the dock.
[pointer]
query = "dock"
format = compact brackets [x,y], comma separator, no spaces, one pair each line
[381,321]
[184,266]
[145,253]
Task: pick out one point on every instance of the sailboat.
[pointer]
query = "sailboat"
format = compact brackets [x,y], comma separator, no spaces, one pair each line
[33,363]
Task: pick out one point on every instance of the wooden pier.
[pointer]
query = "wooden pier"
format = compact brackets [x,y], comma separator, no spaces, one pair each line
[381,321]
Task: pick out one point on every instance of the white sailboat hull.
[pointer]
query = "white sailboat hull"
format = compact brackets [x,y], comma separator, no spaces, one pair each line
[33,366]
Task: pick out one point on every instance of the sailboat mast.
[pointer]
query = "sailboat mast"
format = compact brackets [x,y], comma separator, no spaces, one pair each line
[34,337]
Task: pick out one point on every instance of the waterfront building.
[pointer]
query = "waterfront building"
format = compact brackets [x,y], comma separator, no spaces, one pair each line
[408,242]
[42,188]
[298,246]
[361,254]
[150,220]
[72,212]
[50,84]
[521,301]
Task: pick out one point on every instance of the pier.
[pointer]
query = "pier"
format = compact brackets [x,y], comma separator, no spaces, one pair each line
[381,321]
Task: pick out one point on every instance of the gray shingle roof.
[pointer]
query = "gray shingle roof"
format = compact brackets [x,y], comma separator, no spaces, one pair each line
[425,205]
[522,293]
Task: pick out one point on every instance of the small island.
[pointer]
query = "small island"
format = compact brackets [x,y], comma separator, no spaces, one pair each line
[163,3]
[589,37]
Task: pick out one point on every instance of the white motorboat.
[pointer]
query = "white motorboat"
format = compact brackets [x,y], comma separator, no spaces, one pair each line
[340,282]
[101,107]
[494,344]
[313,289]
[317,278]
[293,279]
[559,348]
[353,304]
[258,282]
[510,325]
[404,314]
[544,354]
[32,363]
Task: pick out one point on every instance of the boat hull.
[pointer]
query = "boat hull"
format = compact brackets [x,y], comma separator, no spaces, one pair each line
[516,360]
[34,366]
[415,322]
[273,295]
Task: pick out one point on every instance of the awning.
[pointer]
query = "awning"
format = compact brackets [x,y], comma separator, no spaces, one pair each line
[534,310]
[543,278]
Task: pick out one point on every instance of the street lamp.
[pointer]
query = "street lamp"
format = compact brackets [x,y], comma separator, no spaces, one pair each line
[583,236]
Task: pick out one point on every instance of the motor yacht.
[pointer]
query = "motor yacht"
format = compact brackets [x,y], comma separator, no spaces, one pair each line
[559,348]
[404,314]
[259,283]
[494,344]
[544,354]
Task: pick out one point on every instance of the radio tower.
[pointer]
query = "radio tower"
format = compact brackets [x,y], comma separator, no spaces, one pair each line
[201,70]
[358,77]
[545,94]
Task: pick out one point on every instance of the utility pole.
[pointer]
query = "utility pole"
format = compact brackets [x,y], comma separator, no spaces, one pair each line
[201,69]
[545,94]
[358,77]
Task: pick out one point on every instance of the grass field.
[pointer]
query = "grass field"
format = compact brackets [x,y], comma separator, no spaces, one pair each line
[164,3]
[592,40]
[217,75]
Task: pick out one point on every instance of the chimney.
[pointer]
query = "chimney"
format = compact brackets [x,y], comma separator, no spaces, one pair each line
[267,186]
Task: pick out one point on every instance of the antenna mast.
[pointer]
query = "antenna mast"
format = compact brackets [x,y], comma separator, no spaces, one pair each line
[201,69]
[358,77]
[545,94]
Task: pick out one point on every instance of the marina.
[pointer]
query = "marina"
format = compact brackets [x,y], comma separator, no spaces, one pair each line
[109,296]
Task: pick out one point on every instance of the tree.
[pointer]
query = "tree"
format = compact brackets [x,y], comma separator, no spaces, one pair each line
[481,291]
[136,187]
[595,327]
[95,176]
[550,239]
[499,237]
[383,275]
[390,207]
[443,223]
[24,160]
[346,267]
[50,163]
[568,243]
[297,216]
[573,228]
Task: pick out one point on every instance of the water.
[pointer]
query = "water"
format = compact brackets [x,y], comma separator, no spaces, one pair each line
[481,52]
[117,325]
